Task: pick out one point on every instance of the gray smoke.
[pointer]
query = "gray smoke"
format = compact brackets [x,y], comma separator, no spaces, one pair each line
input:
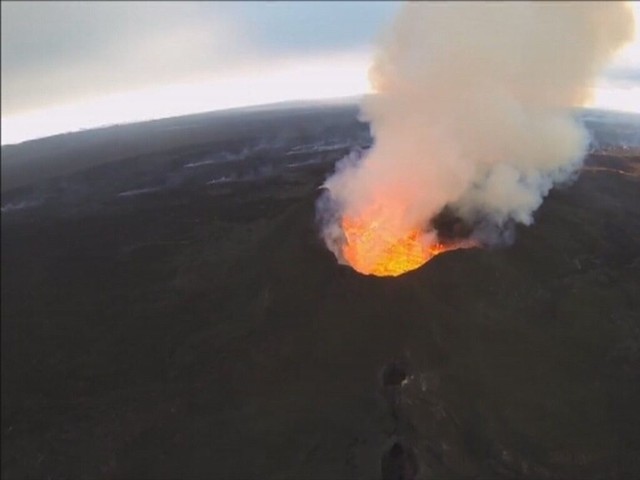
[473,110]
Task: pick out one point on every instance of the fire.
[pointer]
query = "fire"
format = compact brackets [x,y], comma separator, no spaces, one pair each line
[373,247]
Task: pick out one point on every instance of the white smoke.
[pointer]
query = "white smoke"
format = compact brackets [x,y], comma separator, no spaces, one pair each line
[473,110]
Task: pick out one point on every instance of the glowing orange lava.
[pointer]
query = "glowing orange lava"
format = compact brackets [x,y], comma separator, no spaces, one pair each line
[372,248]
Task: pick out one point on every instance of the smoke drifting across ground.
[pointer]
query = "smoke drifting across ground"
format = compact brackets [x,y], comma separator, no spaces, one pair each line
[472,111]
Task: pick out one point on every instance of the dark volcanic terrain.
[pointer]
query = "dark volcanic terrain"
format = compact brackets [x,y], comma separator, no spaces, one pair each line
[169,311]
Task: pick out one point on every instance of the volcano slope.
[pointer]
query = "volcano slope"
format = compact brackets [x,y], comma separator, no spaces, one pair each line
[166,320]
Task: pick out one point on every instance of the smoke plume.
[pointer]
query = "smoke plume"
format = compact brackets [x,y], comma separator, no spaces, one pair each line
[472,111]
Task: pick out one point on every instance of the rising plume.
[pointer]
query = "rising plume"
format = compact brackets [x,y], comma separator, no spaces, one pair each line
[473,111]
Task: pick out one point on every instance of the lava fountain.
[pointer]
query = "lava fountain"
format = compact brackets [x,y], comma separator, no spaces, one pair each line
[371,250]
[373,246]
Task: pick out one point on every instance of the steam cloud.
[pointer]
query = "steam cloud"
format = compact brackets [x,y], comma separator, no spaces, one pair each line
[473,111]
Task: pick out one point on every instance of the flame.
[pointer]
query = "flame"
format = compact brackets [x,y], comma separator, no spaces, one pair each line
[373,246]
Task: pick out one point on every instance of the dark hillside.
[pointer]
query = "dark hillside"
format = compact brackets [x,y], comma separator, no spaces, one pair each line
[169,321]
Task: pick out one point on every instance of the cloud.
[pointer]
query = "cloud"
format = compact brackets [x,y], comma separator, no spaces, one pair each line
[60,52]
[300,28]
[622,77]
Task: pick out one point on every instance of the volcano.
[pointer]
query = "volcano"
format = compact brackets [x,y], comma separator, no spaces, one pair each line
[169,310]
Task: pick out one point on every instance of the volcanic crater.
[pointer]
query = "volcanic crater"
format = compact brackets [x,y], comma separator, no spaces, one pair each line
[203,330]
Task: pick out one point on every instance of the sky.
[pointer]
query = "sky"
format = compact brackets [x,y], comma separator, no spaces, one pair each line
[68,66]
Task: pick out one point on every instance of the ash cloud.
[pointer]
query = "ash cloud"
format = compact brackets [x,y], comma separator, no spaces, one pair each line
[473,112]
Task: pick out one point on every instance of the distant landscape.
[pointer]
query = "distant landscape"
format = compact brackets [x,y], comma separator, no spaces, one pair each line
[169,311]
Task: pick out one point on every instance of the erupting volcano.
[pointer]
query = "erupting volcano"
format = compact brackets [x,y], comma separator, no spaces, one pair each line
[372,247]
[472,112]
